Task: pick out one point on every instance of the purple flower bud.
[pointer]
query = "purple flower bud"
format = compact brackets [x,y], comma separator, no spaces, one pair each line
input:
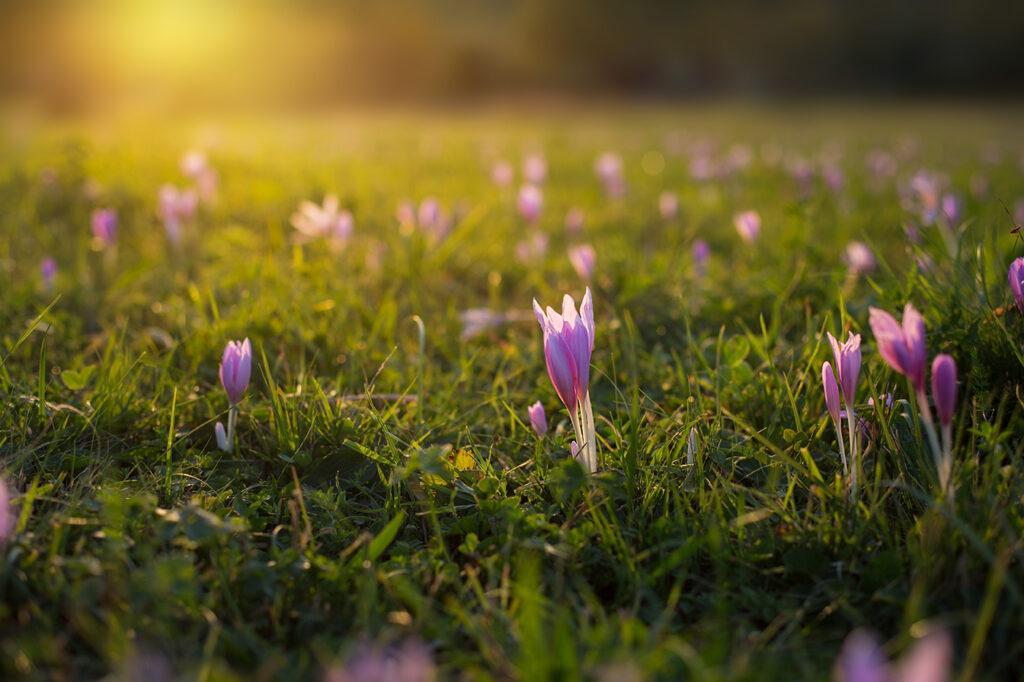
[48,270]
[1016,277]
[748,225]
[583,259]
[944,387]
[902,347]
[701,255]
[831,389]
[235,368]
[538,419]
[529,203]
[104,227]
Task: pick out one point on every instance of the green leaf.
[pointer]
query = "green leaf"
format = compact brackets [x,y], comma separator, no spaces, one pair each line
[76,380]
[385,537]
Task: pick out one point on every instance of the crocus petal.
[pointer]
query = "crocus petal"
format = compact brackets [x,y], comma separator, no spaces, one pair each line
[889,336]
[222,437]
[861,660]
[928,661]
[828,382]
[587,313]
[914,337]
[1016,277]
[561,369]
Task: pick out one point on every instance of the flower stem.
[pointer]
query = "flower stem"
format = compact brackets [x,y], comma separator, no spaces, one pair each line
[232,418]
[933,438]
[854,462]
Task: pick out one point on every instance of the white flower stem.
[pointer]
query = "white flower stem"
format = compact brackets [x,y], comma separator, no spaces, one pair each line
[232,418]
[590,434]
[933,438]
[838,424]
[854,461]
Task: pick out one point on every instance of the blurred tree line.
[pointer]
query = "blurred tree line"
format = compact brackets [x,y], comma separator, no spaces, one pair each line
[67,54]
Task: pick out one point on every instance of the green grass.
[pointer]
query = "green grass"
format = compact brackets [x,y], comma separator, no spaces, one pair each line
[341,519]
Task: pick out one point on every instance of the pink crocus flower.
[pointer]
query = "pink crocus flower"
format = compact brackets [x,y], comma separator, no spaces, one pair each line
[847,358]
[574,219]
[196,167]
[48,271]
[177,207]
[583,259]
[104,227]
[529,203]
[432,219]
[862,660]
[748,225]
[1016,277]
[859,258]
[502,173]
[535,169]
[235,370]
[538,419]
[902,346]
[7,515]
[701,253]
[668,205]
[327,221]
[925,196]
[568,345]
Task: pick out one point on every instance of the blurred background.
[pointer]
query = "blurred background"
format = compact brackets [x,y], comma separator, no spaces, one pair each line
[71,57]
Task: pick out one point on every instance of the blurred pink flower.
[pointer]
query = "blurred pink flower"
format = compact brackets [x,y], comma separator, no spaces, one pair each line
[327,221]
[944,388]
[608,168]
[748,225]
[535,169]
[529,203]
[859,258]
[48,271]
[862,660]
[583,259]
[177,206]
[104,227]
[1016,277]
[7,512]
[502,173]
[668,205]
[701,253]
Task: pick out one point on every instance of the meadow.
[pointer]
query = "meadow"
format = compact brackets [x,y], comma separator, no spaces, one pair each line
[388,508]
